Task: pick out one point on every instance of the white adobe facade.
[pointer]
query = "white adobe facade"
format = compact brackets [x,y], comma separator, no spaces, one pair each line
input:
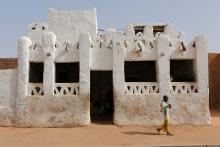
[73,37]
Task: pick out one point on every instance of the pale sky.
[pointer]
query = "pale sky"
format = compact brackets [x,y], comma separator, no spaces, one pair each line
[194,17]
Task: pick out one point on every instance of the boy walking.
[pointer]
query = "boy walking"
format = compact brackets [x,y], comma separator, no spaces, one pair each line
[165,110]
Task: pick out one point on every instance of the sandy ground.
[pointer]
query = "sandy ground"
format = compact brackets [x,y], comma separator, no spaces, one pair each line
[109,135]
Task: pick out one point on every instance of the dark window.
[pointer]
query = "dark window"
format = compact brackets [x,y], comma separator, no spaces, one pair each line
[67,72]
[182,71]
[139,29]
[158,29]
[36,72]
[140,71]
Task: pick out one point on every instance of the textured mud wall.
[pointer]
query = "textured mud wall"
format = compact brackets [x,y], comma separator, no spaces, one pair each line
[8,63]
[53,112]
[145,110]
[65,44]
[59,111]
[8,93]
[134,106]
[73,37]
[68,25]
[214,80]
[101,59]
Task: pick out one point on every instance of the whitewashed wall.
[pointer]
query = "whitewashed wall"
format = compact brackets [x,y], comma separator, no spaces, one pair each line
[101,59]
[68,25]
[71,36]
[8,86]
[133,107]
[66,45]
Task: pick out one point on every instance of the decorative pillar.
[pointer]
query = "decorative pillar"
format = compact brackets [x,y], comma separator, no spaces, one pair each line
[129,36]
[49,40]
[202,65]
[84,61]
[202,79]
[163,65]
[21,109]
[23,66]
[118,64]
[84,80]
[118,74]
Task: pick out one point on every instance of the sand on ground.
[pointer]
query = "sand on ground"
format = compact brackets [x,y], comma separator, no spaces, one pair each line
[105,134]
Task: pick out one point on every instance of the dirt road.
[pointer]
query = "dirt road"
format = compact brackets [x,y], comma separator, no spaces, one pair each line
[109,135]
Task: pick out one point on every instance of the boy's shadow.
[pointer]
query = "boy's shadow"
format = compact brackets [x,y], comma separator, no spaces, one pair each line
[138,133]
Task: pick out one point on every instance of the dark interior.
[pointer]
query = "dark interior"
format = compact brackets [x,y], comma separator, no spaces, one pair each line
[140,71]
[101,96]
[36,72]
[182,71]
[158,29]
[67,72]
[139,29]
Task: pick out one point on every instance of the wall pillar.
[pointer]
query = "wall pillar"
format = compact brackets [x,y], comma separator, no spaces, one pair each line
[202,64]
[21,108]
[163,65]
[84,80]
[202,79]
[118,65]
[49,40]
[23,66]
[118,75]
[84,58]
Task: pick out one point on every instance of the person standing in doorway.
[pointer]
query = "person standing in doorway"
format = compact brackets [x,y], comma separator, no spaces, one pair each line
[165,106]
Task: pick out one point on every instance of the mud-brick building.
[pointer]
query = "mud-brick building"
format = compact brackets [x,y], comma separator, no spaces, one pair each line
[70,73]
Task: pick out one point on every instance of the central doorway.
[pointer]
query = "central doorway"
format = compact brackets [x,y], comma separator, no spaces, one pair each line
[101,96]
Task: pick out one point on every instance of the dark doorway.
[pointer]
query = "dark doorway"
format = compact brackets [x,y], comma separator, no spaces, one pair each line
[101,96]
